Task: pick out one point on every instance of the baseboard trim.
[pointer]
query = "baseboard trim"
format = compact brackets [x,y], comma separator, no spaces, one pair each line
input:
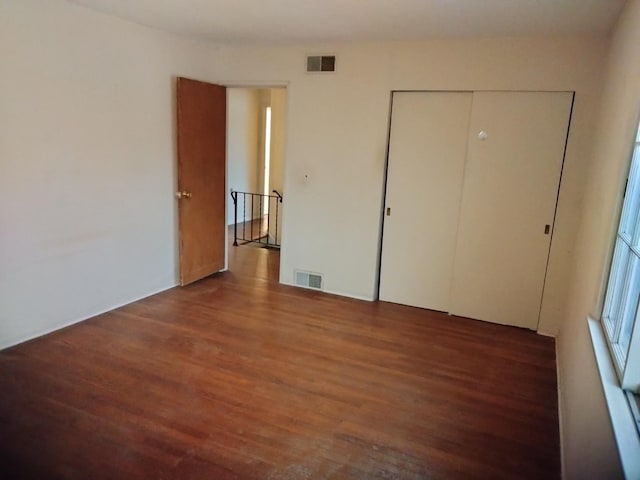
[545,334]
[560,422]
[333,292]
[33,336]
[350,295]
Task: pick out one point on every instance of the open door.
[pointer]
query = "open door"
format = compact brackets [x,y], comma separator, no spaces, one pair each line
[202,113]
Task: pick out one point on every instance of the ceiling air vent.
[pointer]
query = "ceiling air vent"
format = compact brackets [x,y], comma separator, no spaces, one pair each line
[321,63]
[308,279]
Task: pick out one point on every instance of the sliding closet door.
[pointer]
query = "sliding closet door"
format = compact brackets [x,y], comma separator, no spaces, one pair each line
[426,166]
[515,153]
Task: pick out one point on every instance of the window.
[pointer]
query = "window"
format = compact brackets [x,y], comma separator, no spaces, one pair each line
[621,315]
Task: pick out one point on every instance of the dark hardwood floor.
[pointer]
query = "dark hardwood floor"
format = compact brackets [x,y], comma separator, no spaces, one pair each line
[237,377]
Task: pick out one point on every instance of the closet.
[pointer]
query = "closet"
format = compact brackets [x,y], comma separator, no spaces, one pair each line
[472,184]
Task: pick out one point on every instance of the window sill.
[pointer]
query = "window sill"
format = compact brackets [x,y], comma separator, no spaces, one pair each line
[622,420]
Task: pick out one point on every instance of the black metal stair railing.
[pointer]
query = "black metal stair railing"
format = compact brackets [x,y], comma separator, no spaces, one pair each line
[258,222]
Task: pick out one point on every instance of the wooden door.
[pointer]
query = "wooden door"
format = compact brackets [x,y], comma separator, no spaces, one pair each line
[201,195]
[516,149]
[427,152]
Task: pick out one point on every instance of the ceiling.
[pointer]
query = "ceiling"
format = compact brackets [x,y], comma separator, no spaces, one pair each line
[296,21]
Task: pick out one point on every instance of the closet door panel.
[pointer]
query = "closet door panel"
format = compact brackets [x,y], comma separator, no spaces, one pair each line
[427,153]
[516,148]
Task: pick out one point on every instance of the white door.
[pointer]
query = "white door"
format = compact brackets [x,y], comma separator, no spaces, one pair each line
[515,153]
[424,180]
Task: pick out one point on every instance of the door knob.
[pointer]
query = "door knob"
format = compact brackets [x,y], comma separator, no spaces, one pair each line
[183,194]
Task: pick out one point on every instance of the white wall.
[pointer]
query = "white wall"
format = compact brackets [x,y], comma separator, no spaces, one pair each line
[278,136]
[87,214]
[278,143]
[588,443]
[337,134]
[243,144]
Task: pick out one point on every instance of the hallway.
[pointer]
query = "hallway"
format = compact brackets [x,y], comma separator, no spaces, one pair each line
[251,261]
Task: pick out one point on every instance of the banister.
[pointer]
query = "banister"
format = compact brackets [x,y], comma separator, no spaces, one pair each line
[266,205]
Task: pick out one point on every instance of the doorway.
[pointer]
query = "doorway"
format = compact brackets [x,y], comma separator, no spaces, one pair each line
[256,123]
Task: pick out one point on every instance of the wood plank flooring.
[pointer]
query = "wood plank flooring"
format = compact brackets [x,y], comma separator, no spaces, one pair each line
[237,377]
[251,229]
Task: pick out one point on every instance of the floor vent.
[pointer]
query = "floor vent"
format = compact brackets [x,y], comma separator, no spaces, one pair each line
[321,63]
[309,280]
